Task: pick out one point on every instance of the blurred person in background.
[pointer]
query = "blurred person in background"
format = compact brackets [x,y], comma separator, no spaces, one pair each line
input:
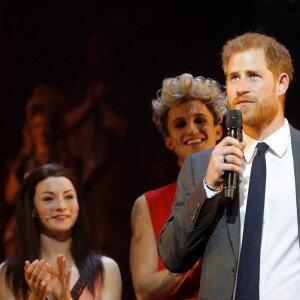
[44,136]
[105,127]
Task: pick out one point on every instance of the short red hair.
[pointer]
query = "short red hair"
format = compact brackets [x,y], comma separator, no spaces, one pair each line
[278,58]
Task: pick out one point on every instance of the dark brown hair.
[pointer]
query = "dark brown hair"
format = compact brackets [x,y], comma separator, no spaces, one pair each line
[28,234]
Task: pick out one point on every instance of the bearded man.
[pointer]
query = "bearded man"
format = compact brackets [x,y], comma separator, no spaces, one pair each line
[249,244]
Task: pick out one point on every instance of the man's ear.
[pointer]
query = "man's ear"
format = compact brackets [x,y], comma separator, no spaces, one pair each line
[219,132]
[168,143]
[282,84]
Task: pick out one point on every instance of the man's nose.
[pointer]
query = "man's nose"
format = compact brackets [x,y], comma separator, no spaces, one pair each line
[192,128]
[243,86]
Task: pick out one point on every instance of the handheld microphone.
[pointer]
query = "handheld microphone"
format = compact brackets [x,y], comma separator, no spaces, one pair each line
[233,122]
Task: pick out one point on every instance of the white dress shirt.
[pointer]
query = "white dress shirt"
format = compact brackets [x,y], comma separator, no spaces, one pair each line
[280,253]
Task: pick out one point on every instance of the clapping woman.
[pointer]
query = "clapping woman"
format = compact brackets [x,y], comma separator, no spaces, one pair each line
[53,259]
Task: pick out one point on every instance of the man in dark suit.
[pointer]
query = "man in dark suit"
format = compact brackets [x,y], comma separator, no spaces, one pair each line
[258,70]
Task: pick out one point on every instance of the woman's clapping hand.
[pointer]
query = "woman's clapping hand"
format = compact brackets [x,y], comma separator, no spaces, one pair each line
[42,279]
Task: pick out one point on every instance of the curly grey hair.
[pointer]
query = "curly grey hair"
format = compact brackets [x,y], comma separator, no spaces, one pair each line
[183,88]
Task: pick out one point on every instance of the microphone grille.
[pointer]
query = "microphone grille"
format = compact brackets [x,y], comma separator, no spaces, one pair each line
[233,118]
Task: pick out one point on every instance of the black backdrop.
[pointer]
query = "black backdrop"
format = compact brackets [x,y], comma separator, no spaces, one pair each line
[45,41]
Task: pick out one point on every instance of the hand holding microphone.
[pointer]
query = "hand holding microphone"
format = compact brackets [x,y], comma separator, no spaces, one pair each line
[227,157]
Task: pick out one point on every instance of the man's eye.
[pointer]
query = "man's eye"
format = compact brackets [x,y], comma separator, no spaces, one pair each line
[199,120]
[180,124]
[233,77]
[254,76]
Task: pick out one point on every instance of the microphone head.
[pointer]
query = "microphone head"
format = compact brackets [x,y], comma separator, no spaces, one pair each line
[233,118]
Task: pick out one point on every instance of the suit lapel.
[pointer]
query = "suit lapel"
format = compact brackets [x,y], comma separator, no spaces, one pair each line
[295,138]
[233,224]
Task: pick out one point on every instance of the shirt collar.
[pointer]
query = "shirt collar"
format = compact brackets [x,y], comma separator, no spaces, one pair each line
[277,141]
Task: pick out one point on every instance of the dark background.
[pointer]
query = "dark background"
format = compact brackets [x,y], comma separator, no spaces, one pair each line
[45,41]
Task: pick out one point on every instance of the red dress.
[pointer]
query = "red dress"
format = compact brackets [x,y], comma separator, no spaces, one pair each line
[160,202]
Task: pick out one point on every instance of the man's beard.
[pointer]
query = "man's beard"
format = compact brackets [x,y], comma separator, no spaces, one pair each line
[260,111]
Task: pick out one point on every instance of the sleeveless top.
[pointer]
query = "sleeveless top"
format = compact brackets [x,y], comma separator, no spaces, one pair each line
[81,292]
[78,289]
[160,202]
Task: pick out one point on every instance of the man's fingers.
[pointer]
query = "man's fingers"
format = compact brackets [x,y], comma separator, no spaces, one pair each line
[229,141]
[231,159]
[243,145]
[228,150]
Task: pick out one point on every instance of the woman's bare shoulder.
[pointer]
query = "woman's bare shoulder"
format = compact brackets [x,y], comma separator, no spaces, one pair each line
[109,264]
[5,291]
[112,283]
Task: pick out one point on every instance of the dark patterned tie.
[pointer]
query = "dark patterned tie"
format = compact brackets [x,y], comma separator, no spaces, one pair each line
[247,287]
